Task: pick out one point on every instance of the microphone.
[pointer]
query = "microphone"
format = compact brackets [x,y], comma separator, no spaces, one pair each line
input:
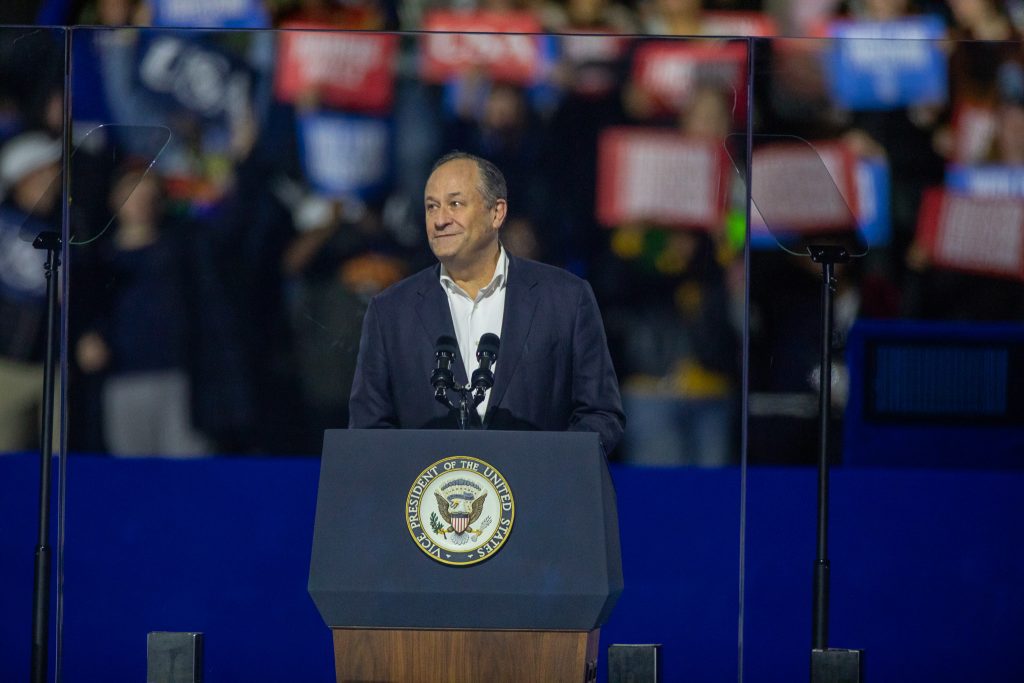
[486,354]
[442,378]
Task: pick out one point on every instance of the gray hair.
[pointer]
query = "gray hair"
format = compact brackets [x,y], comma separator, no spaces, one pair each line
[492,181]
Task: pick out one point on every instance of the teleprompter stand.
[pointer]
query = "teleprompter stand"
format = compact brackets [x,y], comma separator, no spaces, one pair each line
[828,665]
[530,612]
[51,243]
[780,172]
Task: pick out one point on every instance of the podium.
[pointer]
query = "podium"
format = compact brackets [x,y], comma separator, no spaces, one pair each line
[527,606]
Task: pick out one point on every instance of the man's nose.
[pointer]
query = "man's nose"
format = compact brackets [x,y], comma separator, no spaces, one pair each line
[442,219]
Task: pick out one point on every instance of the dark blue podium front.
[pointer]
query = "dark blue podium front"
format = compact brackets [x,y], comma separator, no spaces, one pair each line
[559,569]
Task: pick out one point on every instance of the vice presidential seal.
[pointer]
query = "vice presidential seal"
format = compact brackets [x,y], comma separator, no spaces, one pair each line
[460,510]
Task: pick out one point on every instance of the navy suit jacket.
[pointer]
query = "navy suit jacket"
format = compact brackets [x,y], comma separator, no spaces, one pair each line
[553,370]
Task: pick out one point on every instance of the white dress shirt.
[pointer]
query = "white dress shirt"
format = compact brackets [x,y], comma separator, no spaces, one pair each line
[474,318]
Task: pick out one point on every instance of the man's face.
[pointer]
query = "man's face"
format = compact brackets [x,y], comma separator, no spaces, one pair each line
[461,228]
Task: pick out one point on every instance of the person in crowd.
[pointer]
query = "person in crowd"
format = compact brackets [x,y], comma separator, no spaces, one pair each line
[29,168]
[588,76]
[588,16]
[673,330]
[553,370]
[984,38]
[672,17]
[494,120]
[165,332]
[934,293]
[678,351]
[341,256]
[1008,144]
[142,339]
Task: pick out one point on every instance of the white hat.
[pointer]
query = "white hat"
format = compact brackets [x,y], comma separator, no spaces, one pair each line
[26,153]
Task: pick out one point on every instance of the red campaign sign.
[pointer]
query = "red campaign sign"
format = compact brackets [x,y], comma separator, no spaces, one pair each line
[749,24]
[345,70]
[661,177]
[803,188]
[491,41]
[670,71]
[976,234]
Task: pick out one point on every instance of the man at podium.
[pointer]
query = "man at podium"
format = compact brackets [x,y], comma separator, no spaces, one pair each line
[552,369]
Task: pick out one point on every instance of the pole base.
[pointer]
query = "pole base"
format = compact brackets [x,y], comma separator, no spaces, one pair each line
[634,663]
[836,665]
[173,657]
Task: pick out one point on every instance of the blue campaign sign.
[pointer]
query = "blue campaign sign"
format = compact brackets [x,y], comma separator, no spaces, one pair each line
[345,155]
[986,181]
[209,13]
[873,212]
[887,65]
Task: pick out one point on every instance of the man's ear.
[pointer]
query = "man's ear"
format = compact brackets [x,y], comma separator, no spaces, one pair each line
[500,211]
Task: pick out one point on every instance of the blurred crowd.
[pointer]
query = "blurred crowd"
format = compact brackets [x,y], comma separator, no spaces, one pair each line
[237,197]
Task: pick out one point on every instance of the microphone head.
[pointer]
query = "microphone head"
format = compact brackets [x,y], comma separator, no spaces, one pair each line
[488,345]
[442,378]
[446,345]
[483,379]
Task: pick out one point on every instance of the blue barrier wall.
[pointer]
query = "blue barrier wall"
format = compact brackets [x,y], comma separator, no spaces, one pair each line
[927,569]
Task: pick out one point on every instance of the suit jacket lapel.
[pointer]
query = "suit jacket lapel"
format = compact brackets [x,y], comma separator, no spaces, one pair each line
[520,304]
[436,317]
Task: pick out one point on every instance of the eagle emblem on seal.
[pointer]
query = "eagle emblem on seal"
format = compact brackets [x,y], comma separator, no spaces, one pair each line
[459,510]
[460,503]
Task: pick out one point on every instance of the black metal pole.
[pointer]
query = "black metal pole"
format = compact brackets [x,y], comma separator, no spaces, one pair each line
[828,665]
[50,241]
[827,256]
[819,639]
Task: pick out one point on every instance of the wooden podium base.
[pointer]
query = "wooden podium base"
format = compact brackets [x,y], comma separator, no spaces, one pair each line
[429,656]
